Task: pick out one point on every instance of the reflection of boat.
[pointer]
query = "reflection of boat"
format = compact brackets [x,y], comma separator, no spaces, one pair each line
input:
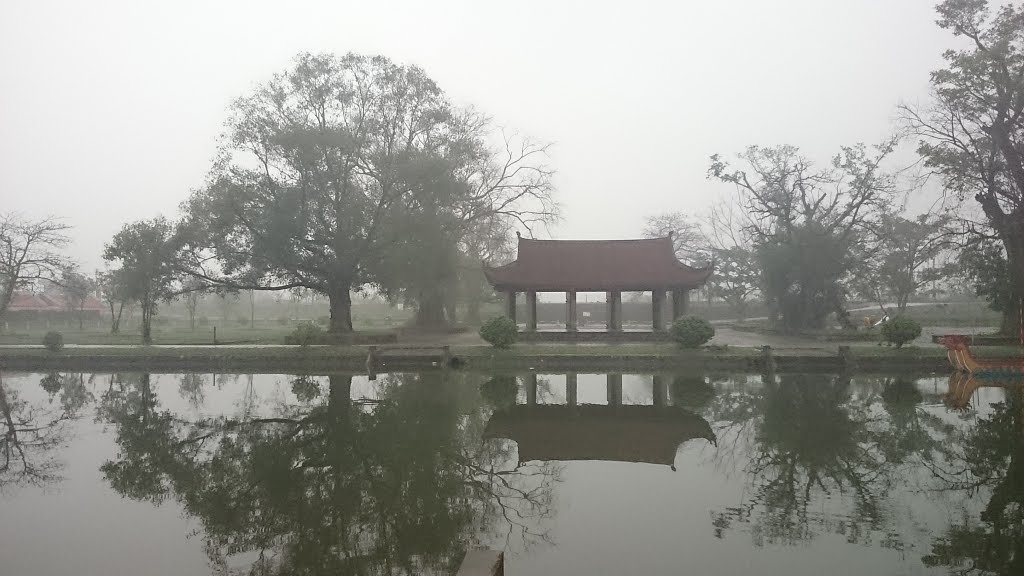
[649,434]
[958,351]
[962,386]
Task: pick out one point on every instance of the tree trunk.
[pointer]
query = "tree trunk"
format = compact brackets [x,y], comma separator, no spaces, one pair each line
[6,296]
[430,311]
[1013,241]
[115,319]
[473,311]
[147,323]
[341,310]
[1011,323]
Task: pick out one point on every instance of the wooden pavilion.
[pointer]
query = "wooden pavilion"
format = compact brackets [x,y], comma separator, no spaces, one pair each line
[610,266]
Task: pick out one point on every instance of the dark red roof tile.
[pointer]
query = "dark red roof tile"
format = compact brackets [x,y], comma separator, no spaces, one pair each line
[596,265]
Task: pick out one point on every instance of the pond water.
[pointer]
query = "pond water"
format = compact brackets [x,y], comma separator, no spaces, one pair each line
[196,474]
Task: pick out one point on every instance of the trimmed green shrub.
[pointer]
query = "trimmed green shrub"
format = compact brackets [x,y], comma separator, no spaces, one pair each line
[242,320]
[692,332]
[899,331]
[204,321]
[323,320]
[283,320]
[305,334]
[53,341]
[499,332]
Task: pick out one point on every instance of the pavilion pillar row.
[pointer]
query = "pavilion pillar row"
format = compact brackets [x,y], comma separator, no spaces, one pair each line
[510,305]
[614,389]
[658,310]
[614,303]
[680,303]
[570,311]
[659,387]
[531,311]
[571,388]
[531,388]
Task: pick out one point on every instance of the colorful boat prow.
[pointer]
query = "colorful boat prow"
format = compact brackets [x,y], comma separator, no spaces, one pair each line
[958,351]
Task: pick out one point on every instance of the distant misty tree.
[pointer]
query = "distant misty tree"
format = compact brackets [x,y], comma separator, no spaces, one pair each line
[146,251]
[464,192]
[983,262]
[113,288]
[489,241]
[688,241]
[76,289]
[317,169]
[906,258]
[30,252]
[972,133]
[808,225]
[736,279]
[192,293]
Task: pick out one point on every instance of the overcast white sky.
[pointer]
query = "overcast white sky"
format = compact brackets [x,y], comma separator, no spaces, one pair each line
[109,110]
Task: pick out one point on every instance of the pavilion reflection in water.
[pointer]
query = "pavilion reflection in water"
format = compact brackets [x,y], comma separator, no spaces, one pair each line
[613,432]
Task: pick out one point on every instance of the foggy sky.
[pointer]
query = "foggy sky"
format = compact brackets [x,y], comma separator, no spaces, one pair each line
[110,110]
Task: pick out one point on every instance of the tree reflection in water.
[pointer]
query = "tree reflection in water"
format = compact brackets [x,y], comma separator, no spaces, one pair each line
[401,484]
[31,431]
[986,461]
[818,457]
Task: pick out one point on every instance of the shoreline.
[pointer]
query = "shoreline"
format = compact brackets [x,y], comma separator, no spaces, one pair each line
[593,358]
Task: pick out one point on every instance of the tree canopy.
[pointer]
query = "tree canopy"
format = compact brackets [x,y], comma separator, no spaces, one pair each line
[972,134]
[147,252]
[338,168]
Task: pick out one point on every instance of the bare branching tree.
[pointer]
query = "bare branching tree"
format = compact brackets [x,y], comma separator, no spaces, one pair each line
[30,252]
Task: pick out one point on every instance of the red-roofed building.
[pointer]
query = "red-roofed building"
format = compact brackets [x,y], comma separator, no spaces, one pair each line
[50,306]
[611,266]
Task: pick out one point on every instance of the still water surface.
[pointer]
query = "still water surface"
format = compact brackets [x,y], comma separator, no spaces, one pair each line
[197,474]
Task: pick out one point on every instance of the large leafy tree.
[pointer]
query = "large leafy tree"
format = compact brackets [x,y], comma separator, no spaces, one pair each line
[973,133]
[147,253]
[30,252]
[323,165]
[807,225]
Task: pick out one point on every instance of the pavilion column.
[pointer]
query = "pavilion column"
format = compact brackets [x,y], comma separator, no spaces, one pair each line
[680,303]
[531,311]
[658,309]
[613,300]
[510,305]
[615,389]
[570,311]
[570,388]
[660,389]
[531,388]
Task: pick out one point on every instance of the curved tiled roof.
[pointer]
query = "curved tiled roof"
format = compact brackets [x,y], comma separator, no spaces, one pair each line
[596,265]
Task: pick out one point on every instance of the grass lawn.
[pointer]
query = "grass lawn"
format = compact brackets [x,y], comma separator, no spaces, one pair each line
[168,335]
